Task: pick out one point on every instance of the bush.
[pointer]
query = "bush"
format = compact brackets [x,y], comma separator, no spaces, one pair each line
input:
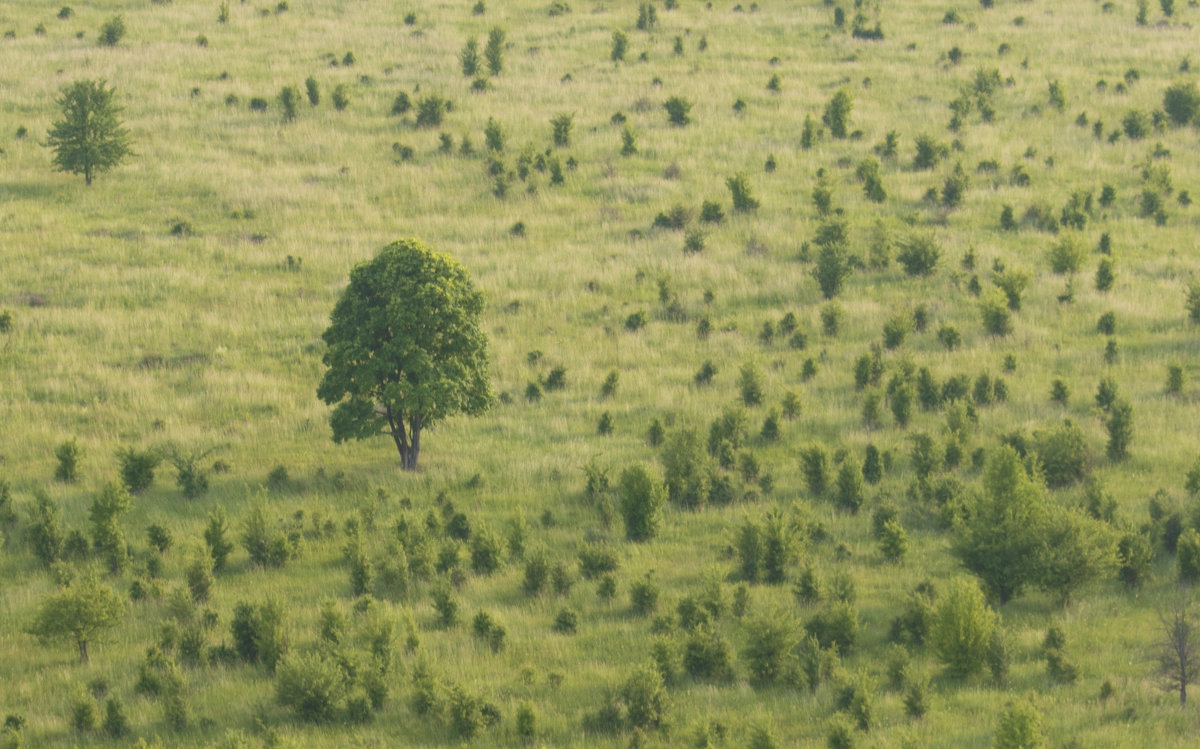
[835,626]
[68,454]
[1181,102]
[112,31]
[743,199]
[1136,124]
[706,655]
[929,152]
[645,698]
[620,45]
[312,686]
[137,468]
[313,90]
[962,628]
[1067,255]
[1187,547]
[997,319]
[1192,303]
[643,595]
[919,255]
[641,497]
[1020,728]
[431,108]
[1063,453]
[769,644]
[677,110]
[837,113]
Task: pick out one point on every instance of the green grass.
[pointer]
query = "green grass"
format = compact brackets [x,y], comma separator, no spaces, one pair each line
[212,339]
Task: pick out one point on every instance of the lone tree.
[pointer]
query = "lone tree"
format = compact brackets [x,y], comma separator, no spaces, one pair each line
[79,612]
[404,348]
[89,138]
[1178,656]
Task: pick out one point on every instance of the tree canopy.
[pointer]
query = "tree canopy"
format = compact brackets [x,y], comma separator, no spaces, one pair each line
[89,138]
[404,348]
[79,612]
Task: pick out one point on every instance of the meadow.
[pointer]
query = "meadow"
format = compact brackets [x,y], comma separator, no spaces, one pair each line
[177,304]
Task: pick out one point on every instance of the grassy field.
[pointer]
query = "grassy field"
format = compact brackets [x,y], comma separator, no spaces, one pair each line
[180,301]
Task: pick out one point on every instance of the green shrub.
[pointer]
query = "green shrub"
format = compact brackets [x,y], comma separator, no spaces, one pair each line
[313,90]
[112,31]
[929,152]
[620,45]
[116,723]
[1181,102]
[1187,548]
[677,110]
[962,628]
[837,113]
[643,595]
[311,686]
[769,644]
[137,468]
[68,454]
[997,319]
[641,496]
[1063,453]
[645,698]
[1067,255]
[1020,728]
[493,53]
[431,108]
[743,199]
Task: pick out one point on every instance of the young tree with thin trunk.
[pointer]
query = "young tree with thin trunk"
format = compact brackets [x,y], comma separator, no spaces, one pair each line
[1178,657]
[79,613]
[90,138]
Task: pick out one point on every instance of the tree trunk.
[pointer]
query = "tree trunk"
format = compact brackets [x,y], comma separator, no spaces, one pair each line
[83,655]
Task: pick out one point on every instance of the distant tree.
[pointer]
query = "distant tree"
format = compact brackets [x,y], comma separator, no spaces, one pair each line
[89,139]
[80,612]
[405,349]
[641,495]
[313,90]
[743,198]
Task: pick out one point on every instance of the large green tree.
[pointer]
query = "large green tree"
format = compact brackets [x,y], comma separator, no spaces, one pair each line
[89,138]
[404,348]
[1001,540]
[79,612]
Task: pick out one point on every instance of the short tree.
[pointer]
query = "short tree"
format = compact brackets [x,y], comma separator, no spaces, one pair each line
[405,349]
[1181,102]
[1178,657]
[80,612]
[469,58]
[837,113]
[112,31]
[493,53]
[1000,540]
[1020,728]
[677,110]
[641,495]
[1120,429]
[89,139]
[962,627]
